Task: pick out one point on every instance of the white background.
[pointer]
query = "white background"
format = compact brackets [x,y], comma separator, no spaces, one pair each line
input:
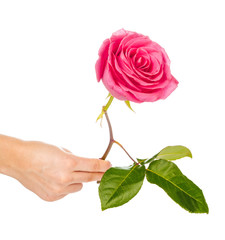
[49,92]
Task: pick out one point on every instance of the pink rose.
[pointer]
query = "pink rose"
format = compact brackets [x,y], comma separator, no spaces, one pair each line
[134,68]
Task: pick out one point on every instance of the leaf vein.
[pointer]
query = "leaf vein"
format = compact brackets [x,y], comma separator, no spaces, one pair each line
[174,185]
[120,185]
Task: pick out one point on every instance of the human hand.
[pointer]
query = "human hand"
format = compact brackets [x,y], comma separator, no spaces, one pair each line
[51,172]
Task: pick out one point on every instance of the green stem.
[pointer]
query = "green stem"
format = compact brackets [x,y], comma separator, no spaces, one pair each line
[108,103]
[105,108]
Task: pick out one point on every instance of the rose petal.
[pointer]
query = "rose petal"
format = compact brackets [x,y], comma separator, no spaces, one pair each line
[123,77]
[169,88]
[138,41]
[134,68]
[111,85]
[101,62]
[156,94]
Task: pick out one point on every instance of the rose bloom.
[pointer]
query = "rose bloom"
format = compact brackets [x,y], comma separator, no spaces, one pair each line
[134,68]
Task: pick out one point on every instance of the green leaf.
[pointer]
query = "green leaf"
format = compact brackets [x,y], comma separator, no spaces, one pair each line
[119,185]
[174,152]
[128,104]
[183,191]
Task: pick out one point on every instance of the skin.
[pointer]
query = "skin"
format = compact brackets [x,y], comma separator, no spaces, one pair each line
[47,170]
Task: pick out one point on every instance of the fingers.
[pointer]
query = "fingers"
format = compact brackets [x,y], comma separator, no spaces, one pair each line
[86,177]
[91,165]
[52,199]
[73,188]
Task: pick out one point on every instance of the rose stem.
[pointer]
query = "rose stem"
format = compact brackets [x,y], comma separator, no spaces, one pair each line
[126,152]
[111,141]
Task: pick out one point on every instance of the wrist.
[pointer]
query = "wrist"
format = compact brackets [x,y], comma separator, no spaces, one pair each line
[11,150]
